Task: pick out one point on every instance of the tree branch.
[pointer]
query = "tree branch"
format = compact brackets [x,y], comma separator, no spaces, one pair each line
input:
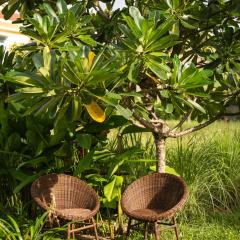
[175,134]
[182,121]
[145,123]
[137,124]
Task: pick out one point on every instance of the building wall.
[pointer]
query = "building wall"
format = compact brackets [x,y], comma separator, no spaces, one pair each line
[9,32]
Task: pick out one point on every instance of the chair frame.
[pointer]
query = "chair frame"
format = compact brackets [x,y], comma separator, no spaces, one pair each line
[169,216]
[54,215]
[72,229]
[156,227]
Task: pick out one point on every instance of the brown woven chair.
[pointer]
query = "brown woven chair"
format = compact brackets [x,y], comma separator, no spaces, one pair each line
[152,199]
[67,198]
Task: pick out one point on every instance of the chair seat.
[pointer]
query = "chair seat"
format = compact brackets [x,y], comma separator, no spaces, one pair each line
[147,214]
[74,213]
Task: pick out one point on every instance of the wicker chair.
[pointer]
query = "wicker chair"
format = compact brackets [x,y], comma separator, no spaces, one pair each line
[67,198]
[152,199]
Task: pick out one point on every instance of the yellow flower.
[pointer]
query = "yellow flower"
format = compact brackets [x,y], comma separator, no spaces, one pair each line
[96,113]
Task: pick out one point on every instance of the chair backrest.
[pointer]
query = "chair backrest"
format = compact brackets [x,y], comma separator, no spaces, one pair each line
[157,191]
[60,191]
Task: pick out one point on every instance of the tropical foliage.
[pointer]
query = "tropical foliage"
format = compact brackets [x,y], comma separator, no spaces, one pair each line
[91,72]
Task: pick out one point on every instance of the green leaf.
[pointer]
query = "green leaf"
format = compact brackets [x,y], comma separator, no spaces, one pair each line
[47,58]
[113,189]
[30,90]
[159,69]
[119,161]
[160,31]
[50,11]
[134,129]
[27,79]
[187,25]
[134,70]
[87,40]
[169,108]
[84,140]
[125,112]
[164,43]
[168,2]
[175,4]
[62,6]
[167,170]
[176,69]
[84,163]
[138,18]
[38,60]
[135,30]
[197,106]
[27,180]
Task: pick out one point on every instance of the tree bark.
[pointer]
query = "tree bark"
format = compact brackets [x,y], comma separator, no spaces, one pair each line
[160,144]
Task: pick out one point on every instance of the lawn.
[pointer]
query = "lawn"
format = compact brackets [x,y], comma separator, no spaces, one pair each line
[209,161]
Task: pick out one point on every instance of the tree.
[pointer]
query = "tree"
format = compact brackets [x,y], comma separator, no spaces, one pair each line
[155,60]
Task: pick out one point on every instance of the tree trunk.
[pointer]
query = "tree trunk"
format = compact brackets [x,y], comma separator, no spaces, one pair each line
[160,143]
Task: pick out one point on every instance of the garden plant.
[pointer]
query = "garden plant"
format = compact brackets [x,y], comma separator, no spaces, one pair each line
[95,82]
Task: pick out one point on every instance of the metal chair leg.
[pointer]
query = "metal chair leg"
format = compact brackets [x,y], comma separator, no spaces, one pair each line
[156,232]
[128,228]
[95,228]
[145,230]
[176,228]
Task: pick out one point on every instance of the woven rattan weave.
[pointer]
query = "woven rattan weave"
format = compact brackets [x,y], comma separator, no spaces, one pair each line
[67,198]
[154,198]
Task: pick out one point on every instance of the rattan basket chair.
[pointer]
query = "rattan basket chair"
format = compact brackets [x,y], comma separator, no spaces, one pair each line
[154,199]
[67,198]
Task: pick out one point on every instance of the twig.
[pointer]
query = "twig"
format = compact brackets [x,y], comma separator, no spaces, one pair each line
[182,121]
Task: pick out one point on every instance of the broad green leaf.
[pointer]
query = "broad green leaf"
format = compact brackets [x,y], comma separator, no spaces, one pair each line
[30,90]
[168,169]
[126,31]
[76,108]
[159,69]
[47,58]
[113,189]
[38,60]
[160,31]
[119,161]
[136,15]
[176,69]
[84,140]
[88,40]
[134,28]
[164,43]
[62,6]
[187,25]
[175,4]
[27,79]
[134,71]
[125,112]
[134,129]
[50,11]
[197,106]
[169,108]
[168,2]
[84,163]
[26,181]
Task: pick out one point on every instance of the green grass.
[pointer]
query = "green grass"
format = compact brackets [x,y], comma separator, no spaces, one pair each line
[209,161]
[224,227]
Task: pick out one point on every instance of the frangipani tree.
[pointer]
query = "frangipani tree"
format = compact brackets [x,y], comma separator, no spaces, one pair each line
[174,78]
[161,60]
